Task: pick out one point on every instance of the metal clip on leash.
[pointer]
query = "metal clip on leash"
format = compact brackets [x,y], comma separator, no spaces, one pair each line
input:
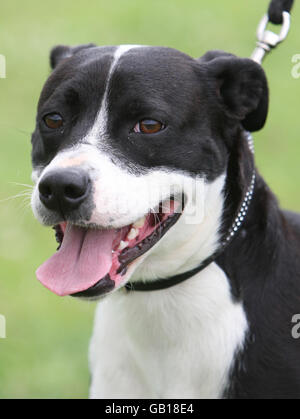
[268,40]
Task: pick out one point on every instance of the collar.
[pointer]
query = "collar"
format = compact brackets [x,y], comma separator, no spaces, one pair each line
[164,283]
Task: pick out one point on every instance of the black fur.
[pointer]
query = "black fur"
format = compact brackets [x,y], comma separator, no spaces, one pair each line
[263,265]
[63,52]
[140,88]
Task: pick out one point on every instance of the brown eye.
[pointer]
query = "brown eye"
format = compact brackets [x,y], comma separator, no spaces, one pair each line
[53,120]
[148,126]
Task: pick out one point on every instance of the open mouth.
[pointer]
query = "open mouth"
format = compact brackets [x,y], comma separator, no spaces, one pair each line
[91,262]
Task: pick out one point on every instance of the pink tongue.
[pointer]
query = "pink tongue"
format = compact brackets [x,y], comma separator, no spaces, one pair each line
[84,258]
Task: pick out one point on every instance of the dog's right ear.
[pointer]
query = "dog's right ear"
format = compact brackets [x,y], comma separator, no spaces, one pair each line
[240,86]
[62,52]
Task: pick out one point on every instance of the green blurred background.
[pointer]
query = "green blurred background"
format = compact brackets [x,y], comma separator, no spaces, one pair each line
[45,353]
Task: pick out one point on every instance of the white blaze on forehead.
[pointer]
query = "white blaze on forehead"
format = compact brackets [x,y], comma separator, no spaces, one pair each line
[100,126]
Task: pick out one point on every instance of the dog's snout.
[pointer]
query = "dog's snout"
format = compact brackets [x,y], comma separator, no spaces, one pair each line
[64,190]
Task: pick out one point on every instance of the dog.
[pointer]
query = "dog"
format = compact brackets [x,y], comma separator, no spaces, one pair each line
[143,164]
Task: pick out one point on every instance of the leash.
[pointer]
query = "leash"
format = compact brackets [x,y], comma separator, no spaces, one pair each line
[278,14]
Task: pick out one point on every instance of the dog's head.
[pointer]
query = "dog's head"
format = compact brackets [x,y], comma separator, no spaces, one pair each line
[129,141]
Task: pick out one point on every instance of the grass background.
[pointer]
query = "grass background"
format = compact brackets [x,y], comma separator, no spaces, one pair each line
[45,353]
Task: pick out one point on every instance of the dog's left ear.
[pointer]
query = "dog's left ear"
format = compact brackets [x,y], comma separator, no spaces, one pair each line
[242,89]
[62,52]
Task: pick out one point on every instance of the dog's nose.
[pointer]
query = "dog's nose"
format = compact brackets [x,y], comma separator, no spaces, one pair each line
[64,190]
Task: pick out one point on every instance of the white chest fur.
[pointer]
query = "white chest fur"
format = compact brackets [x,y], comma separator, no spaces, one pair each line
[176,343]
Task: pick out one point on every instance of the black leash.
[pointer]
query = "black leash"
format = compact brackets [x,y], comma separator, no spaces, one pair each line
[276,9]
[278,14]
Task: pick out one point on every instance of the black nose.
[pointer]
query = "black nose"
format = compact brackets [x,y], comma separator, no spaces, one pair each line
[64,190]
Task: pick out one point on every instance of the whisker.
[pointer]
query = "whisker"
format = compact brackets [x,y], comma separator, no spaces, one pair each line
[23,209]
[25,204]
[21,131]
[20,195]
[22,184]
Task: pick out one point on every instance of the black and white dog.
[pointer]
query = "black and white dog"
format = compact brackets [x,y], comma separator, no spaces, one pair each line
[199,302]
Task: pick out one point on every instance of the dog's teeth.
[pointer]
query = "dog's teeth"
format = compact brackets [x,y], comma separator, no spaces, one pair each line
[133,233]
[139,223]
[123,245]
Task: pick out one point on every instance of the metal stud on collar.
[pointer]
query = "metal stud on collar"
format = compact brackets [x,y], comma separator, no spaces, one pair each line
[250,142]
[247,200]
[243,211]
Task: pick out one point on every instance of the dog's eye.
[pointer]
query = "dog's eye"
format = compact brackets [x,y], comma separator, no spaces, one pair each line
[148,126]
[53,120]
